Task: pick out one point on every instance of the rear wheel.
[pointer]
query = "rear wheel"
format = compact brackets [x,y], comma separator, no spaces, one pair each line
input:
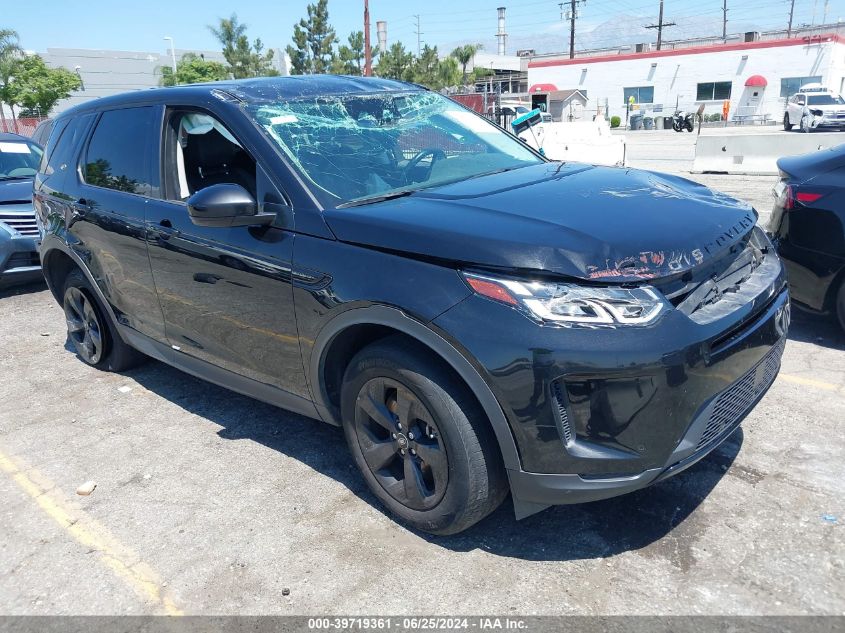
[840,305]
[90,332]
[422,444]
[787,125]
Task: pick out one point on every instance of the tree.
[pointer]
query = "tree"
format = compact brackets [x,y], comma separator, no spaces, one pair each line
[448,73]
[425,67]
[350,56]
[396,63]
[38,87]
[244,59]
[193,69]
[464,55]
[10,52]
[313,41]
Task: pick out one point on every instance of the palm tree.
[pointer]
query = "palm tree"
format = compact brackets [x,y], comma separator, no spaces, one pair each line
[10,51]
[464,55]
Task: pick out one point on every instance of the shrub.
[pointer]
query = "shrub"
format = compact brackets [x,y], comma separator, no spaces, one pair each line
[615,121]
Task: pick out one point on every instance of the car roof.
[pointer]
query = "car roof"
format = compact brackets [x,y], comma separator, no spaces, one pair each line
[258,89]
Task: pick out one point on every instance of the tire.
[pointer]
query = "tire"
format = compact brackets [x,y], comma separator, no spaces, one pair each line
[689,126]
[840,305]
[677,127]
[446,474]
[90,332]
[787,126]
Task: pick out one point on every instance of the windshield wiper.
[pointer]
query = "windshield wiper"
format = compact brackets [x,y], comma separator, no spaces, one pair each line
[390,195]
[16,177]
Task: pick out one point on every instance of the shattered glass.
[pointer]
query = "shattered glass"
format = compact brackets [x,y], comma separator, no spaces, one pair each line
[361,146]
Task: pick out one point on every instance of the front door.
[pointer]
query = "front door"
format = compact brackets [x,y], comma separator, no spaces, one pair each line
[225,293]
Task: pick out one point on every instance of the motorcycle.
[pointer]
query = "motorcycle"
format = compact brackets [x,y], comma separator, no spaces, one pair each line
[683,121]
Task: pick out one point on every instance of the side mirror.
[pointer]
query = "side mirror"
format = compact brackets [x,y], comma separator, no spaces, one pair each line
[225,205]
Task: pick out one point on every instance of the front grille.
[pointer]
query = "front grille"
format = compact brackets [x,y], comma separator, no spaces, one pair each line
[23,223]
[560,412]
[735,401]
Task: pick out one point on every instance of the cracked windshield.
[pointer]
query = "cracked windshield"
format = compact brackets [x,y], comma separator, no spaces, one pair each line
[366,147]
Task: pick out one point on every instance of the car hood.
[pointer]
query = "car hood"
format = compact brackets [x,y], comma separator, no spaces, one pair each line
[606,223]
[15,191]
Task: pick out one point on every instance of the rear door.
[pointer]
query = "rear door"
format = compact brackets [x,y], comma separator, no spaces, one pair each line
[108,198]
[226,293]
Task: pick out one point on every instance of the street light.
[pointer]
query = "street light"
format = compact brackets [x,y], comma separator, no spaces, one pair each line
[76,69]
[172,53]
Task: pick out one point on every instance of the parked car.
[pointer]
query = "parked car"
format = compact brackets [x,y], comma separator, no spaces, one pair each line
[19,158]
[372,254]
[814,107]
[808,225]
[42,132]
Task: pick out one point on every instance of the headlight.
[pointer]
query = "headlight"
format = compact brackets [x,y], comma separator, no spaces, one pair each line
[565,303]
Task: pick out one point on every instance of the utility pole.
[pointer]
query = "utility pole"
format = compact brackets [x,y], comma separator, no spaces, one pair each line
[660,24]
[571,15]
[368,55]
[419,33]
[724,21]
[791,11]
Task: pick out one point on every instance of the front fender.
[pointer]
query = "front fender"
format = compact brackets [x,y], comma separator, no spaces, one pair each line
[398,320]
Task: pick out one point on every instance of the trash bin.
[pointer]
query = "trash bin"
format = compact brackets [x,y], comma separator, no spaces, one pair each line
[636,121]
[667,123]
[648,123]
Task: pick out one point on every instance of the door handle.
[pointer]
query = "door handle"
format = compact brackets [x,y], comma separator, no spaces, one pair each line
[163,230]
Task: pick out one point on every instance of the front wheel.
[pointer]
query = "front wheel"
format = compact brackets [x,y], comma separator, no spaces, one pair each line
[677,126]
[840,305]
[423,445]
[787,125]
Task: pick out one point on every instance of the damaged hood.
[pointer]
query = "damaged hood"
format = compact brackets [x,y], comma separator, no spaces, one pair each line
[576,220]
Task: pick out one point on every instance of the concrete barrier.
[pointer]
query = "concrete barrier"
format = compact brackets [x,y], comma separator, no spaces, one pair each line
[581,141]
[756,154]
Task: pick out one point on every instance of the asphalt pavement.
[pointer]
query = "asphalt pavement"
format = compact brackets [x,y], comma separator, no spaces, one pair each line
[207,502]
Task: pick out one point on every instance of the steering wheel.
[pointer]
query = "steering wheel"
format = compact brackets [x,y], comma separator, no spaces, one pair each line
[436,154]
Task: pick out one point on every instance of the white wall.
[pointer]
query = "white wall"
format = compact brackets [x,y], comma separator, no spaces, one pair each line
[677,75]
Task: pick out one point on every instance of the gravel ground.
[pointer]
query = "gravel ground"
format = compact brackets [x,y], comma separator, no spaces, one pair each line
[208,502]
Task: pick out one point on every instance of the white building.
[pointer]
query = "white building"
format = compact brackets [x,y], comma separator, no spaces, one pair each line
[756,74]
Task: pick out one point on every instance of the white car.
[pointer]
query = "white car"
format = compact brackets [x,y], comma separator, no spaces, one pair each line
[814,107]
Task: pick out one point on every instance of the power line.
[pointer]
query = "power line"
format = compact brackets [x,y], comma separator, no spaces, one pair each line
[419,33]
[660,24]
[573,14]
[791,11]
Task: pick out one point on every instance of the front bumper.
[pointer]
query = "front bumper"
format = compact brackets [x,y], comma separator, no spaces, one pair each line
[598,413]
[715,423]
[19,260]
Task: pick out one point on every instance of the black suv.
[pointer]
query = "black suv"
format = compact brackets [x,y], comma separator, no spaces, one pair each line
[374,255]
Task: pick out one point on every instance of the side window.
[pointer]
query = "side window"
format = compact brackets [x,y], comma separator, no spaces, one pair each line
[50,146]
[118,150]
[199,151]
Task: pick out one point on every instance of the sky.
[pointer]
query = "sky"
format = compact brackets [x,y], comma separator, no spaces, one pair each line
[141,26]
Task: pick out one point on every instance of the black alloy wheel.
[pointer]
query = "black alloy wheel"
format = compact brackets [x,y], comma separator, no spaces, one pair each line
[401,443]
[83,325]
[421,441]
